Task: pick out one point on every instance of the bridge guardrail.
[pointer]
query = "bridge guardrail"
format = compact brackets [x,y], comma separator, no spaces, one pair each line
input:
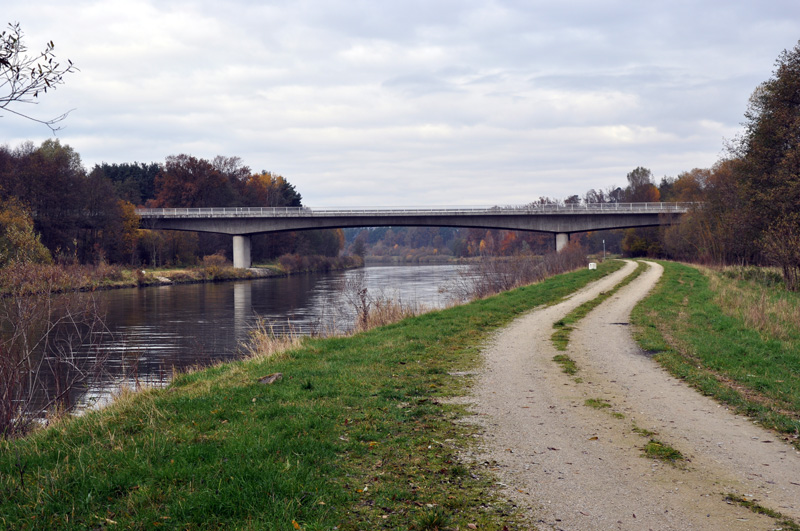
[590,208]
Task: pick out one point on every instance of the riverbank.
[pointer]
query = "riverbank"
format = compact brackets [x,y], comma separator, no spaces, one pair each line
[22,279]
[358,433]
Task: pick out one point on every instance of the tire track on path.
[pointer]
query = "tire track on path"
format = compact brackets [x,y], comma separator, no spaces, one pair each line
[581,468]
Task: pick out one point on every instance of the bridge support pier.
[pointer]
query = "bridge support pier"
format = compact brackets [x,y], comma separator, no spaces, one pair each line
[241,251]
[562,239]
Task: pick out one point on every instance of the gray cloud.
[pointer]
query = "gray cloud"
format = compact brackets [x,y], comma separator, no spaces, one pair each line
[415,102]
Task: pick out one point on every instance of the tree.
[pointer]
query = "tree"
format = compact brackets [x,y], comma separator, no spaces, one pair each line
[640,186]
[186,181]
[51,181]
[266,189]
[19,242]
[644,241]
[769,172]
[131,233]
[134,183]
[359,247]
[23,77]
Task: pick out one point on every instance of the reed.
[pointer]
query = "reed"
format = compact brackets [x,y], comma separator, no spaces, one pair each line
[385,311]
[264,342]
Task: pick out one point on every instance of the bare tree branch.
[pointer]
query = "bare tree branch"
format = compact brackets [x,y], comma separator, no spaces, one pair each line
[23,77]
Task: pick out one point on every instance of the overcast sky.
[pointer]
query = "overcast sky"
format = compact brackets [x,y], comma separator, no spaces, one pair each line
[394,103]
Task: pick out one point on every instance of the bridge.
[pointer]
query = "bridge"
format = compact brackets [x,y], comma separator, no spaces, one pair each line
[559,220]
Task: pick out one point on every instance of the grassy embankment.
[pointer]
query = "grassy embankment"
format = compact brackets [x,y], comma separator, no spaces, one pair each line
[732,334]
[357,435]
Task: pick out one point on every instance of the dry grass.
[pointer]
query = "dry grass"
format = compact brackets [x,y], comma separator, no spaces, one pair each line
[493,275]
[384,311]
[265,343]
[773,312]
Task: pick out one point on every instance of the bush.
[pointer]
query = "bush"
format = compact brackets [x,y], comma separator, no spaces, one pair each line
[217,260]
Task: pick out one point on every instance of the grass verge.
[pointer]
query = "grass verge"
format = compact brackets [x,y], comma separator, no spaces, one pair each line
[785,522]
[683,324]
[357,434]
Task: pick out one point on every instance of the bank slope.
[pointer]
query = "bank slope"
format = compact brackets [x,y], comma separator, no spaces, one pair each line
[355,435]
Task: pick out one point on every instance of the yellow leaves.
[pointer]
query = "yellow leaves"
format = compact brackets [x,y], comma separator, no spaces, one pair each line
[295,524]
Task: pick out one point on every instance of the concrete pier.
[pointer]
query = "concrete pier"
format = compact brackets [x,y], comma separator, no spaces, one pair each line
[562,239]
[241,251]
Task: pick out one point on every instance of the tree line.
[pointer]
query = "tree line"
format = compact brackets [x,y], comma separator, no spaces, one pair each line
[52,208]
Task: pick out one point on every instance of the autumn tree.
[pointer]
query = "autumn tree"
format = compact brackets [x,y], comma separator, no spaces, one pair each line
[269,190]
[769,168]
[23,77]
[19,242]
[186,181]
[50,179]
[131,233]
[641,189]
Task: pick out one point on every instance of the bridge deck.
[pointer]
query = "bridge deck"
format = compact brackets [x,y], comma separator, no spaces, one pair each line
[305,212]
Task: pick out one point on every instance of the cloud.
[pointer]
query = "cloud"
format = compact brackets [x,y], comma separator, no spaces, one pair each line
[415,102]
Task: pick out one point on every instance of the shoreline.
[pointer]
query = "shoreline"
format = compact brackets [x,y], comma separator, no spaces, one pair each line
[142,278]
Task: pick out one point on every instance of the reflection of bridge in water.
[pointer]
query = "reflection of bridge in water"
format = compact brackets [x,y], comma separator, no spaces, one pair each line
[559,220]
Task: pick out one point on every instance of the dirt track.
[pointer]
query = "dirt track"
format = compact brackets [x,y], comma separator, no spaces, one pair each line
[577,467]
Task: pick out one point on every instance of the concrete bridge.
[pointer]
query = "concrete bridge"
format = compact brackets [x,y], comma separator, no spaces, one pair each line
[560,220]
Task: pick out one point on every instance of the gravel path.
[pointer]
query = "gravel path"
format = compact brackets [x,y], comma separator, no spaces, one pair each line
[578,467]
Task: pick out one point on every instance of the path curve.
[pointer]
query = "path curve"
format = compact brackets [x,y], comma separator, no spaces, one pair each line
[576,467]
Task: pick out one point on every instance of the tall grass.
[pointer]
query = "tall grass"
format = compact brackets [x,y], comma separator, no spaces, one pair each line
[735,340]
[264,343]
[758,302]
[493,275]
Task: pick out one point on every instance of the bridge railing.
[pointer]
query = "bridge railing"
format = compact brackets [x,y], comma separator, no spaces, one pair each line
[533,208]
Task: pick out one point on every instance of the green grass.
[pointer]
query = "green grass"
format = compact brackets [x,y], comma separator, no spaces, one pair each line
[682,324]
[355,436]
[596,403]
[655,449]
[565,326]
[568,365]
[784,521]
[642,431]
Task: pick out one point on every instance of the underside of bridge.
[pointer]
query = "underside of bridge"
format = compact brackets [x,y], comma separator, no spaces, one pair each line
[561,225]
